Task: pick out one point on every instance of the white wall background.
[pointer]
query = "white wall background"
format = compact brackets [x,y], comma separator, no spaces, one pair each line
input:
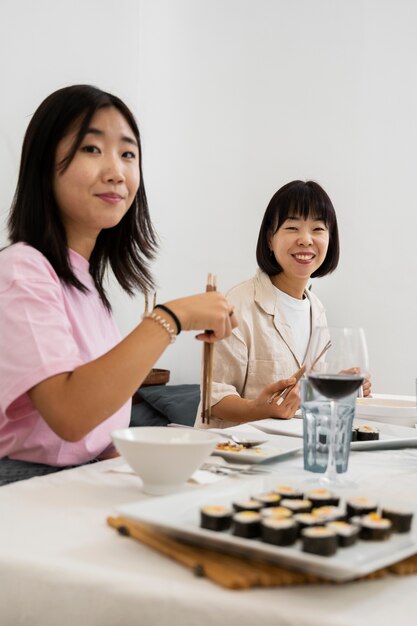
[234,98]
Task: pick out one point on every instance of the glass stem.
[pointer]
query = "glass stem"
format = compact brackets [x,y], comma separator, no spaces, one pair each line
[331,471]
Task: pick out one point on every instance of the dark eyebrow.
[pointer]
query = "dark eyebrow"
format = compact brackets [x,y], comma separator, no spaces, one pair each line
[100,133]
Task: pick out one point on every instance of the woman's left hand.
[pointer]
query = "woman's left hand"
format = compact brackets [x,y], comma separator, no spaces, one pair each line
[367,387]
[367,383]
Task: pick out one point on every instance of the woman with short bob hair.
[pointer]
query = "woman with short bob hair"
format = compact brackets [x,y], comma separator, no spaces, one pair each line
[298,199]
[80,208]
[298,240]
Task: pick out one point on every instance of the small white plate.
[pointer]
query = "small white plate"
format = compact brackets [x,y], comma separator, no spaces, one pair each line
[288,428]
[392,411]
[276,449]
[178,515]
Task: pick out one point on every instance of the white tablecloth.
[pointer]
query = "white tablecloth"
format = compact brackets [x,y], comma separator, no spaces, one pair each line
[60,564]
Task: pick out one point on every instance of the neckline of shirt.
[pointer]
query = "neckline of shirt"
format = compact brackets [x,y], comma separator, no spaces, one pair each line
[78,261]
[295,303]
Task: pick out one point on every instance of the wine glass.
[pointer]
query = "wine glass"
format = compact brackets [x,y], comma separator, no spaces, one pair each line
[337,374]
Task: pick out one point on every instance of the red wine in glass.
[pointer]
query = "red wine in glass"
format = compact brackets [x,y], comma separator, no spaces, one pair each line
[336,386]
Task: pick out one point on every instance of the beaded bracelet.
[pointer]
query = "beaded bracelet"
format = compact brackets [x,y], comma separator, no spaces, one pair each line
[162,321]
[172,314]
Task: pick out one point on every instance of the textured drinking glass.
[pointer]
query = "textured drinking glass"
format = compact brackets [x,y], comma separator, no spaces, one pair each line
[316,412]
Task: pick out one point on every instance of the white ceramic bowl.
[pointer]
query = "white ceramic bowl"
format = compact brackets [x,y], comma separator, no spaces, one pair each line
[164,458]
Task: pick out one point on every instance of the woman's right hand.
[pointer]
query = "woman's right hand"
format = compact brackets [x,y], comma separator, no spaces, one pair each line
[286,409]
[209,311]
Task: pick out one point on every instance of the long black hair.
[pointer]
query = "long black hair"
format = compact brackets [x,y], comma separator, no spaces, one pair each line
[298,199]
[35,219]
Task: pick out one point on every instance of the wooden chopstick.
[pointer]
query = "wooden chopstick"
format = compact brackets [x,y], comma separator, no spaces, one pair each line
[208,364]
[281,395]
[147,302]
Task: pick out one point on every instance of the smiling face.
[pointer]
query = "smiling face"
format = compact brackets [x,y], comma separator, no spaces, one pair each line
[98,187]
[300,247]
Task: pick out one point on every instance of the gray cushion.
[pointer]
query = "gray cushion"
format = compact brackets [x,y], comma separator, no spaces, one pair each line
[175,403]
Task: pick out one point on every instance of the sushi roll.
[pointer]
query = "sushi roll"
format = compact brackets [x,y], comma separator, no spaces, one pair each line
[347,534]
[329,513]
[307,520]
[250,504]
[214,517]
[322,497]
[247,524]
[271,499]
[286,491]
[297,505]
[279,531]
[373,527]
[367,433]
[354,434]
[360,506]
[276,511]
[319,540]
[400,519]
[322,438]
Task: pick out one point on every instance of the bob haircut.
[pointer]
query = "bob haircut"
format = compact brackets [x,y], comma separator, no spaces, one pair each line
[35,219]
[298,199]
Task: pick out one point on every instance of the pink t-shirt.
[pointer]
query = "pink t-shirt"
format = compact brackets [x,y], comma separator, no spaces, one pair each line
[47,328]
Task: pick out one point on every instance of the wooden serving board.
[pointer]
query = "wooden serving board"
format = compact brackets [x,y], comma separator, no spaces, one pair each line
[230,571]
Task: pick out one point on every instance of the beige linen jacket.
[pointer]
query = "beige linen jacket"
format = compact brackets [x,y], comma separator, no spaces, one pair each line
[261,350]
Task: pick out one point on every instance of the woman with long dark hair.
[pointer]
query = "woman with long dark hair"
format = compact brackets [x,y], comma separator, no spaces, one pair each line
[80,208]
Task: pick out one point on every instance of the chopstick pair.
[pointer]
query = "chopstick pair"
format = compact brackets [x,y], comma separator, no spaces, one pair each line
[281,395]
[147,302]
[208,364]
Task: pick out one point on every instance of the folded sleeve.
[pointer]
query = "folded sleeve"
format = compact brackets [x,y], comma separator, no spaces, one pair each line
[230,366]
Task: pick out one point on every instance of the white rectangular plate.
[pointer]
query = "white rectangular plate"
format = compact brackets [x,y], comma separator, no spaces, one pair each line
[277,449]
[391,436]
[179,516]
[392,411]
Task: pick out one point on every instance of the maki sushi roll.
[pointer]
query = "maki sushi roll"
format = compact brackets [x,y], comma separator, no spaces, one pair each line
[271,499]
[319,540]
[247,524]
[347,534]
[297,505]
[215,517]
[286,491]
[400,520]
[354,434]
[307,520]
[276,511]
[360,506]
[250,504]
[322,497]
[329,513]
[373,527]
[279,531]
[367,433]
